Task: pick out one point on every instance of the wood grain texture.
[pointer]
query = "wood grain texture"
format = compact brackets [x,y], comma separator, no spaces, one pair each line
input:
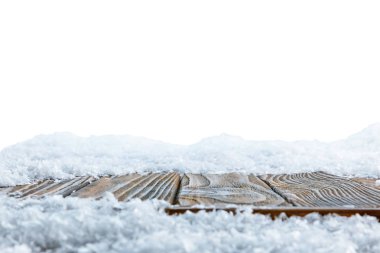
[367,181]
[51,187]
[161,186]
[231,188]
[320,189]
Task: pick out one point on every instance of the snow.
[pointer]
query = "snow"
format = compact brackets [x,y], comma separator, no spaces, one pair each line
[64,155]
[54,224]
[16,249]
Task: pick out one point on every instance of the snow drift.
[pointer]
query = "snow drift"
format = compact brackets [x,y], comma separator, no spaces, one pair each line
[60,225]
[65,155]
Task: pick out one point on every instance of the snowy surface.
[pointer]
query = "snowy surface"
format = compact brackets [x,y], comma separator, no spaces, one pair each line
[64,155]
[54,224]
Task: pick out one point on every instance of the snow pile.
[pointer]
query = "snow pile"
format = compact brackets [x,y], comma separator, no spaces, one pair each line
[65,155]
[55,224]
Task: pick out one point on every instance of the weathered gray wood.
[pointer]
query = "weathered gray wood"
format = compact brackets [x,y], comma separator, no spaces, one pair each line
[320,189]
[65,187]
[231,188]
[162,186]
[28,189]
[367,181]
[51,187]
[316,189]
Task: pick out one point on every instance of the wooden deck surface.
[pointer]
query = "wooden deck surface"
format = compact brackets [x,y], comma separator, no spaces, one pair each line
[231,188]
[320,189]
[293,194]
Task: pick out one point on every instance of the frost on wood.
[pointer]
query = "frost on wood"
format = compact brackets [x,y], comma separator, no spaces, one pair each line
[65,156]
[55,224]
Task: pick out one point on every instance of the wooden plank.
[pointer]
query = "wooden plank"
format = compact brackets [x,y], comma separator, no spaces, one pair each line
[162,186]
[51,187]
[25,190]
[367,181]
[288,211]
[65,187]
[320,189]
[231,188]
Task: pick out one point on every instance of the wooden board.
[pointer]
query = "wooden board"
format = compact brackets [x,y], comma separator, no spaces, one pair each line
[320,189]
[50,187]
[275,212]
[231,188]
[367,181]
[162,186]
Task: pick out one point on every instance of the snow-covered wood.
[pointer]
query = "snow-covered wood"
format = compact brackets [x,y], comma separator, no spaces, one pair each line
[317,189]
[51,187]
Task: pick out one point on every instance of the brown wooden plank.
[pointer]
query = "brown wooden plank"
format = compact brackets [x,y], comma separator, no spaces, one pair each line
[104,184]
[28,189]
[231,188]
[65,187]
[274,212]
[320,189]
[162,186]
[51,187]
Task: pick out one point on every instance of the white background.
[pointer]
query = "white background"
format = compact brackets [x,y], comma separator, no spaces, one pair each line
[179,71]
